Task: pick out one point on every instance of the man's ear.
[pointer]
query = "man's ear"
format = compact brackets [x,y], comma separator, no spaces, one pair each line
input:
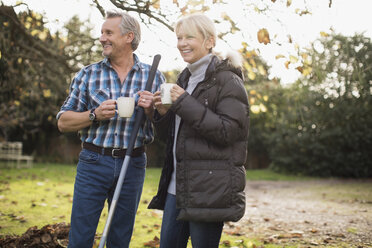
[129,37]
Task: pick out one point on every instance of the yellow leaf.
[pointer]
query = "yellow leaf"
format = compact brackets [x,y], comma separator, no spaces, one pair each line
[304,55]
[6,24]
[263,36]
[253,63]
[306,71]
[183,10]
[47,93]
[289,2]
[262,70]
[27,25]
[293,59]
[50,118]
[225,16]
[250,54]
[156,4]
[43,35]
[247,66]
[34,32]
[279,56]
[37,16]
[252,100]
[255,109]
[17,103]
[300,69]
[251,75]
[324,34]
[233,29]
[286,64]
[252,92]
[266,98]
[19,60]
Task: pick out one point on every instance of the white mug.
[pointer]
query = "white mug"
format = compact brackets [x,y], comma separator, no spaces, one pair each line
[165,93]
[125,106]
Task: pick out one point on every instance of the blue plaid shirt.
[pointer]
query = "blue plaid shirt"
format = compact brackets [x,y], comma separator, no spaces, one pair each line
[99,82]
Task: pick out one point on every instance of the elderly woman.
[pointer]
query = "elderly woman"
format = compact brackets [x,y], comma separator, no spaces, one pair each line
[206,131]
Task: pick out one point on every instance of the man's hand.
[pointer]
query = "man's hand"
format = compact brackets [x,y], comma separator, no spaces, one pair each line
[145,101]
[106,110]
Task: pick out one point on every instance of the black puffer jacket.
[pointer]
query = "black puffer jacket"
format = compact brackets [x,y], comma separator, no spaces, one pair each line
[211,146]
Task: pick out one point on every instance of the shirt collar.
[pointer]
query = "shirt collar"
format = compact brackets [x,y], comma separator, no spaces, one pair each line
[137,64]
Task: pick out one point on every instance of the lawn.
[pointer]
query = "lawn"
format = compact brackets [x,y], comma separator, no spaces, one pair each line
[42,195]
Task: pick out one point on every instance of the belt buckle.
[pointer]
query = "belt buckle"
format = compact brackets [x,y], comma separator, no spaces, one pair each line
[113,152]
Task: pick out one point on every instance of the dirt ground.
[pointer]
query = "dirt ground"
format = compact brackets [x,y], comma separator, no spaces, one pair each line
[332,213]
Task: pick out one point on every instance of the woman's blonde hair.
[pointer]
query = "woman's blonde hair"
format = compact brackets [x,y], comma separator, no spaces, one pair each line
[197,23]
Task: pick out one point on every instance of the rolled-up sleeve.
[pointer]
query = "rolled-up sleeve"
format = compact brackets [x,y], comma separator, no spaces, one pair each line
[77,98]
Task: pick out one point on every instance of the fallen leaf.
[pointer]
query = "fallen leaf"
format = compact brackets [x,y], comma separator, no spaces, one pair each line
[153,243]
[46,238]
[226,243]
[156,226]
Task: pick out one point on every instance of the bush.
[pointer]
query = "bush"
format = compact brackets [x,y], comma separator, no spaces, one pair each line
[325,128]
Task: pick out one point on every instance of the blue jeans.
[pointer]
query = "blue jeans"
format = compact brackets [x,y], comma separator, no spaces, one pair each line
[175,234]
[95,182]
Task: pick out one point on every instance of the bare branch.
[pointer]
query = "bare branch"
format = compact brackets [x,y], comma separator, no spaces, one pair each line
[99,7]
[142,9]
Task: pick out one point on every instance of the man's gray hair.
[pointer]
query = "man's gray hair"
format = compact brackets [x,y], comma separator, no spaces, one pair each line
[127,24]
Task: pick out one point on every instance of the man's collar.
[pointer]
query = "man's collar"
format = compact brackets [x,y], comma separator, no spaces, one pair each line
[136,65]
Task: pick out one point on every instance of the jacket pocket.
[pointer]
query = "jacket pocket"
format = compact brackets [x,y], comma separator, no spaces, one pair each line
[209,184]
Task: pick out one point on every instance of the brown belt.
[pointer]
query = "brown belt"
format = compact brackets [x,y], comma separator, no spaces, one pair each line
[114,152]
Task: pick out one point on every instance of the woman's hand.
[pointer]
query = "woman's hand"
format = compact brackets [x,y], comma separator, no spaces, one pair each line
[176,92]
[162,109]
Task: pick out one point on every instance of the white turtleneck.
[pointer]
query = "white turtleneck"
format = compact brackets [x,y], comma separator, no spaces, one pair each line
[197,71]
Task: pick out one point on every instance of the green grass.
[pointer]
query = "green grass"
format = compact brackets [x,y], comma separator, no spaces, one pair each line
[42,195]
[268,175]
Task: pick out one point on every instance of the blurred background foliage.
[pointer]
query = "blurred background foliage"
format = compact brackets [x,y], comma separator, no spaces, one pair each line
[319,125]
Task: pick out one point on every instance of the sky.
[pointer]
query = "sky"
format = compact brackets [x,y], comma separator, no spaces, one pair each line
[345,16]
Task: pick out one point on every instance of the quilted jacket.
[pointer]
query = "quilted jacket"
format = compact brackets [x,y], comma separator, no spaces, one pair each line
[211,146]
